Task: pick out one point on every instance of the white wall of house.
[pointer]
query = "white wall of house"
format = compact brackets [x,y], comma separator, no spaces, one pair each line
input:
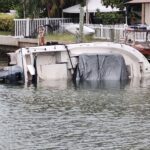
[147,12]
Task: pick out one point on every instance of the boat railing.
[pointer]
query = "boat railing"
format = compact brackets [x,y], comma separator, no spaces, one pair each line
[137,35]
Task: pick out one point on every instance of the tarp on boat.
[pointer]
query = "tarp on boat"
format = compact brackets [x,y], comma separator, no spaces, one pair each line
[101,67]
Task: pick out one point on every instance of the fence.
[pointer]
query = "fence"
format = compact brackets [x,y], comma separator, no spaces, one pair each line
[109,32]
[28,27]
[119,33]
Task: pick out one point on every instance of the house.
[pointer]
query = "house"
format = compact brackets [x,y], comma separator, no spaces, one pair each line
[92,6]
[145,19]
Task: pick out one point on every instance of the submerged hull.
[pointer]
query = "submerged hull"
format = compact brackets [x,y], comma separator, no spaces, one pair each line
[11,74]
[59,62]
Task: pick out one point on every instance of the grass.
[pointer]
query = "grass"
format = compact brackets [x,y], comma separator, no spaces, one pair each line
[5,33]
[65,38]
[59,37]
[6,15]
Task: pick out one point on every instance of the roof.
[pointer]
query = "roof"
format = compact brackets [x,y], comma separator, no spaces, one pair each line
[72,9]
[93,6]
[138,1]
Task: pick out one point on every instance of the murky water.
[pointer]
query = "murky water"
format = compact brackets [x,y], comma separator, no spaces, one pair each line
[3,59]
[67,118]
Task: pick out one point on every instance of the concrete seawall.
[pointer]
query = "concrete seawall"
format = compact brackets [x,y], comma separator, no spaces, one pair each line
[10,43]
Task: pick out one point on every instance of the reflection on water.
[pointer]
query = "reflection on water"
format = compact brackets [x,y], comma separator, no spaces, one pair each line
[3,59]
[102,84]
[62,117]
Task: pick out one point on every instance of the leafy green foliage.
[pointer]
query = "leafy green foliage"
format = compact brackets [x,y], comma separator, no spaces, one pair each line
[47,8]
[115,3]
[6,5]
[113,17]
[6,22]
[109,18]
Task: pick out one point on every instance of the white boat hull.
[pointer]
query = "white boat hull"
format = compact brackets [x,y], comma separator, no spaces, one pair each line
[57,62]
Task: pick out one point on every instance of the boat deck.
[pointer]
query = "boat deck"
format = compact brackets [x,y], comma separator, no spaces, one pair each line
[143,47]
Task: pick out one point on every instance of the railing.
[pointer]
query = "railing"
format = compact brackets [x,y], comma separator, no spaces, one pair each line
[118,33]
[28,27]
[138,35]
[109,32]
[105,32]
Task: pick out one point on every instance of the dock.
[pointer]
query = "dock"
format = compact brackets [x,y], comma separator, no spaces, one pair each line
[11,43]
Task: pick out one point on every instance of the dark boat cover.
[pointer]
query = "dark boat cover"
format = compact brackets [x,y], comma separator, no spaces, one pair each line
[11,74]
[92,67]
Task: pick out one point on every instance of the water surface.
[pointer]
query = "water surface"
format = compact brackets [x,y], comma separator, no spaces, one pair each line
[65,117]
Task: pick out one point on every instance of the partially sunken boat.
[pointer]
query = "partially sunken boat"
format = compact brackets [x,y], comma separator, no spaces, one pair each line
[85,61]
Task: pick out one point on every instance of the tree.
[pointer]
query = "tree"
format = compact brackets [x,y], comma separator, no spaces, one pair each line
[121,4]
[53,7]
[115,3]
[6,5]
[37,8]
[30,8]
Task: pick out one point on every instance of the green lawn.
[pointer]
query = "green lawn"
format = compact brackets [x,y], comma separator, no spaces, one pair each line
[65,38]
[4,33]
[59,37]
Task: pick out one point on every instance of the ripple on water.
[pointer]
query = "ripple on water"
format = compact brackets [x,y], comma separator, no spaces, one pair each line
[70,118]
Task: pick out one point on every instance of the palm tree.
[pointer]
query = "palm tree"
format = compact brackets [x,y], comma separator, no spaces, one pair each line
[24,4]
[34,8]
[53,6]
[31,8]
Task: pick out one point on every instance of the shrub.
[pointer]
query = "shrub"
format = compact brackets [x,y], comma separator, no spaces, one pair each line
[110,18]
[6,22]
